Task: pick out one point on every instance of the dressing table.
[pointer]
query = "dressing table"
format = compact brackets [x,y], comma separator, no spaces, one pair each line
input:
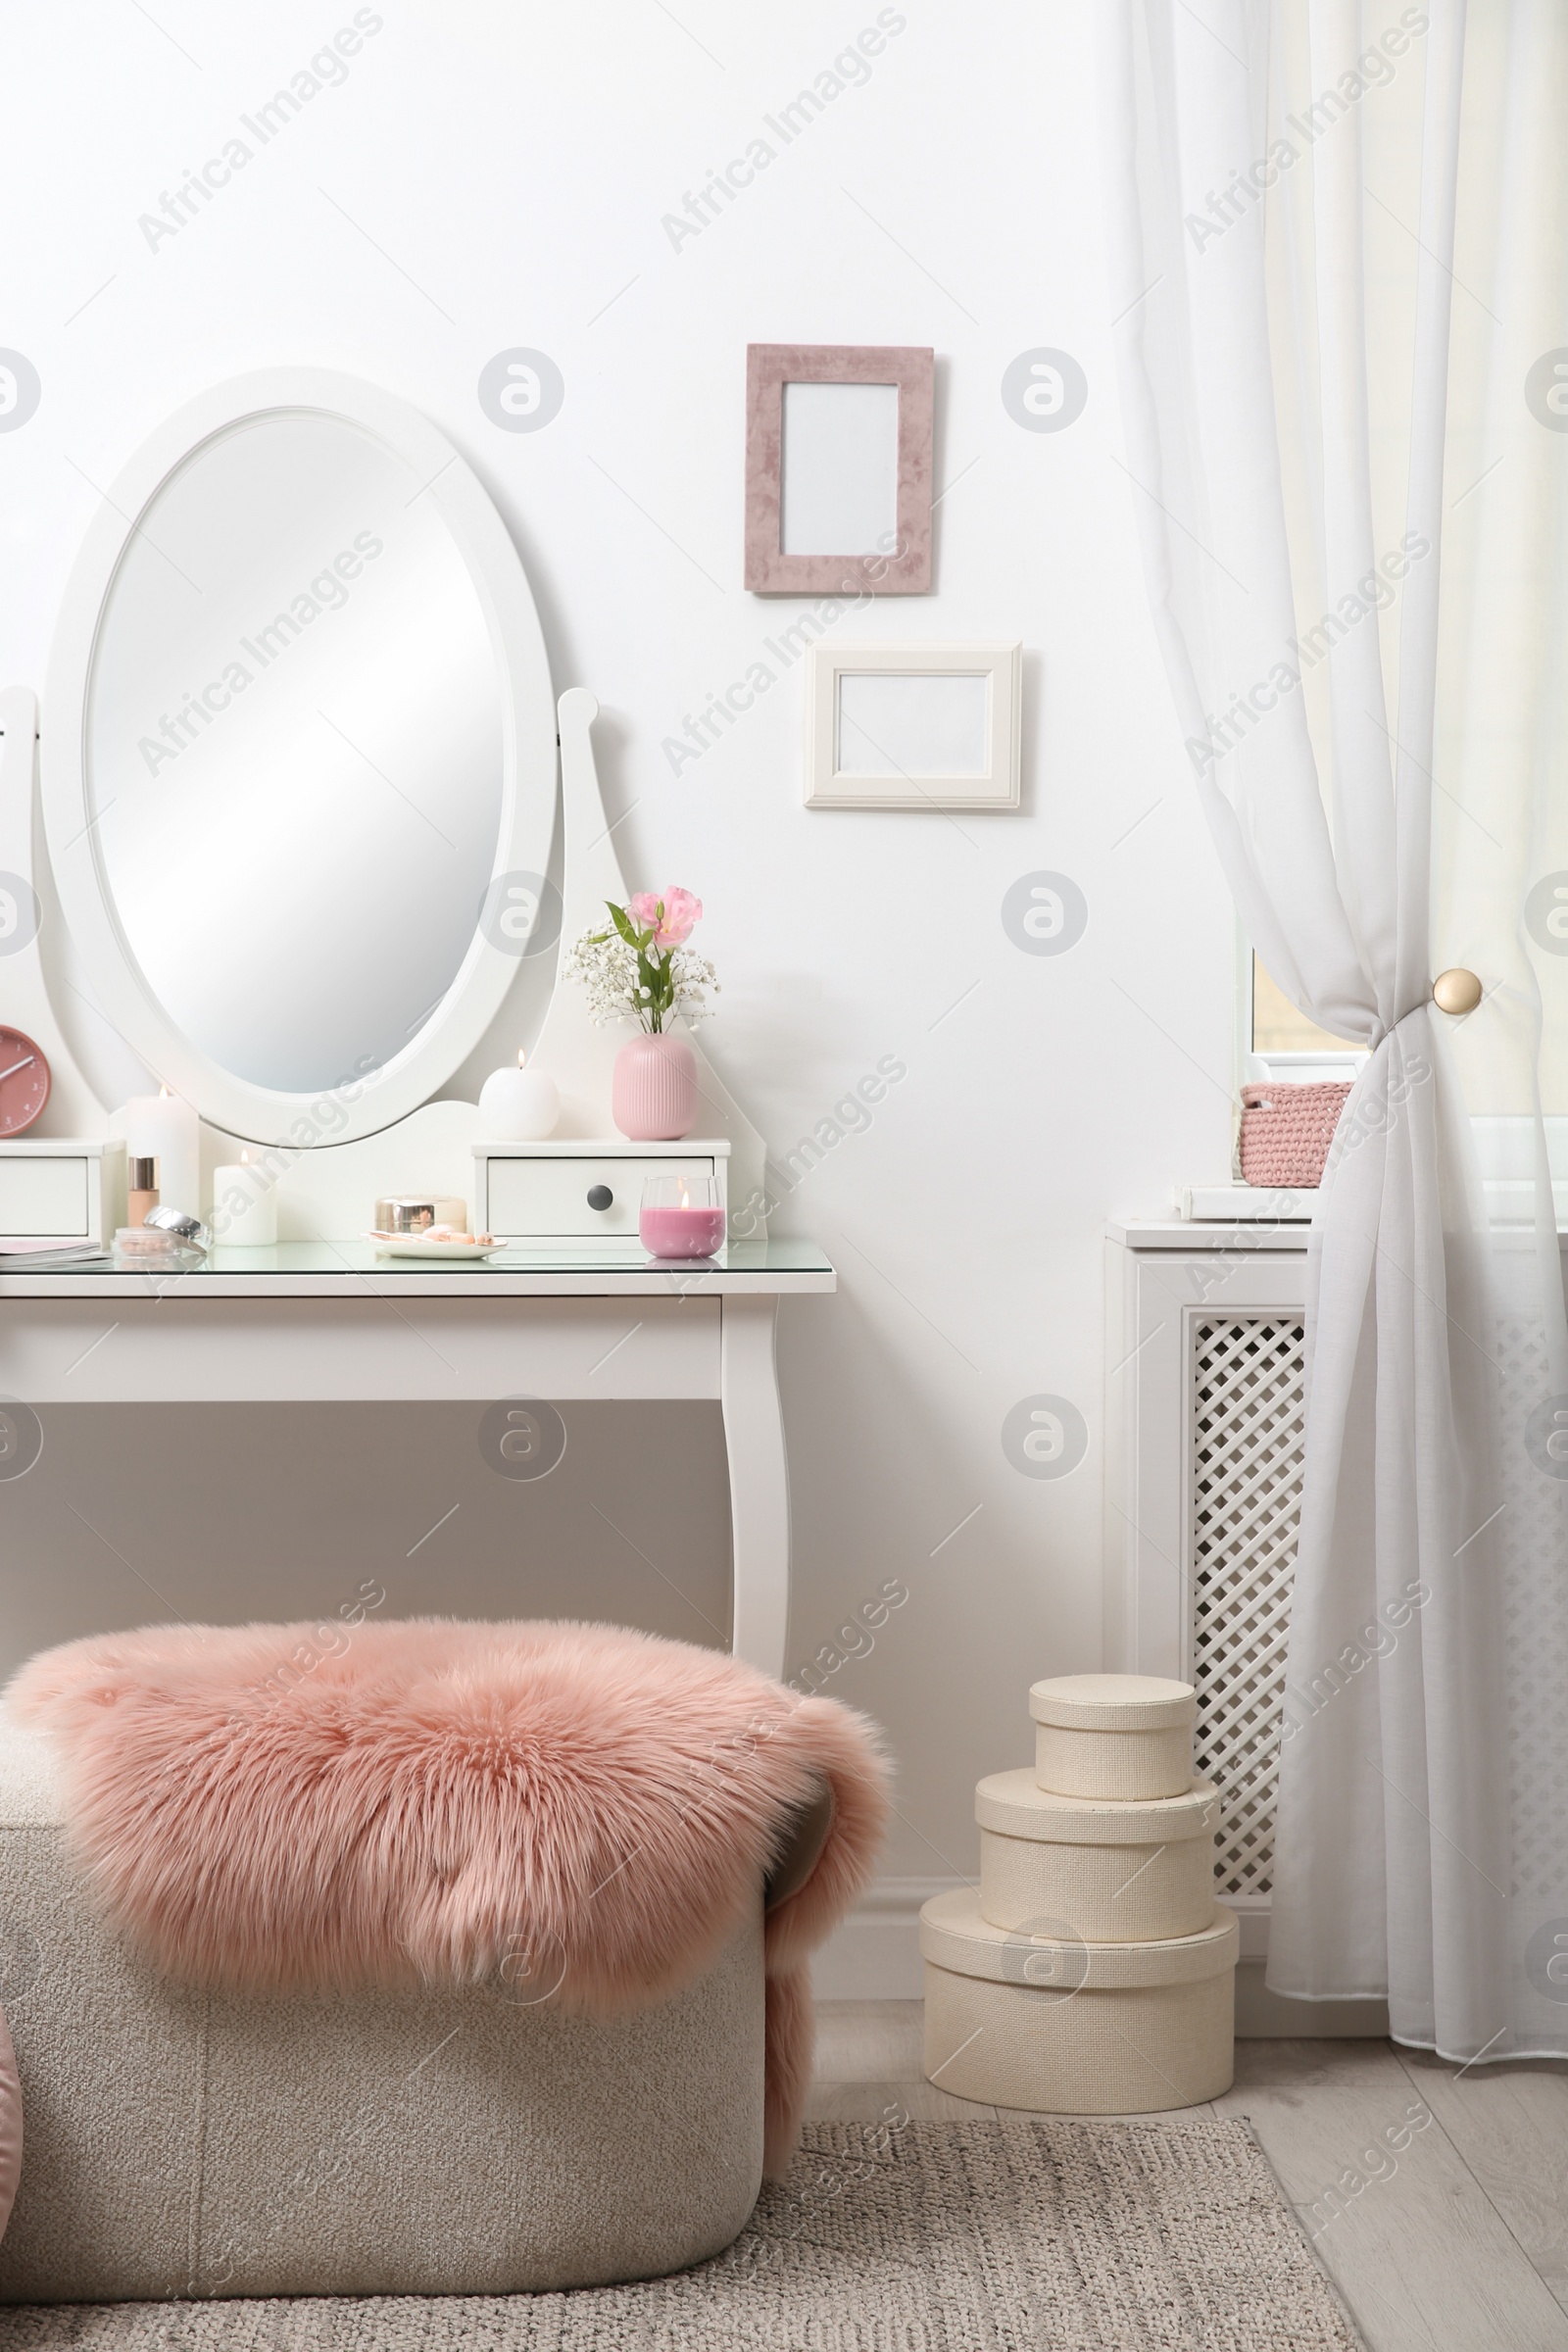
[294,806]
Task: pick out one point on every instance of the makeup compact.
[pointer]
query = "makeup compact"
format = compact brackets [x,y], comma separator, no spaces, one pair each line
[169,1236]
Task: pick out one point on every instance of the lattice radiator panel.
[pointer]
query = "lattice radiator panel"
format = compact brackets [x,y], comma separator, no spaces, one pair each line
[1248,1400]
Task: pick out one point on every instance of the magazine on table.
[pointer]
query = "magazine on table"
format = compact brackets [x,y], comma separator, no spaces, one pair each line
[46,1253]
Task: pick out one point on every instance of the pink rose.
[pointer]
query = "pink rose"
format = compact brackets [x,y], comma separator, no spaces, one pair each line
[671,916]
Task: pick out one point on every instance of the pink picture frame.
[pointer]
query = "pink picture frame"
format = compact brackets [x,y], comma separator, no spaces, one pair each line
[906,568]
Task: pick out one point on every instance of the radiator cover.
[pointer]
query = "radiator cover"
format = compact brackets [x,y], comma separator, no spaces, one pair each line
[1247,1413]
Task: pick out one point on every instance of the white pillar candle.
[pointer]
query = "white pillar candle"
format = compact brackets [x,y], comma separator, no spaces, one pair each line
[162,1127]
[244,1205]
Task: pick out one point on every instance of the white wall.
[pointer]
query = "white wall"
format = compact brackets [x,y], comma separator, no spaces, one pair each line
[492,175]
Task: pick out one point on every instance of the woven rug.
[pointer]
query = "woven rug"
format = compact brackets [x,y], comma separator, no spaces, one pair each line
[910,2238]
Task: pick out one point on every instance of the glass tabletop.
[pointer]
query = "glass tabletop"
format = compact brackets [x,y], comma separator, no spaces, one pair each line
[562,1254]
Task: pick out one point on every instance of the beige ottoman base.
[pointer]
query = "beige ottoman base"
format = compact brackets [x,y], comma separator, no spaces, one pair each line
[413,2144]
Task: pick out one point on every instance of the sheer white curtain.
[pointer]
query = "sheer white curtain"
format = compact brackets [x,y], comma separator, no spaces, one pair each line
[1338,251]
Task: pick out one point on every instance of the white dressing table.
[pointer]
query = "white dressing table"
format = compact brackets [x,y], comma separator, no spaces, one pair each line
[316,1013]
[332,1323]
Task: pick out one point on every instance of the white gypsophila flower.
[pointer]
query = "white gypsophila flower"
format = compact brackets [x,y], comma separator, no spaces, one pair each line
[693,976]
[605,969]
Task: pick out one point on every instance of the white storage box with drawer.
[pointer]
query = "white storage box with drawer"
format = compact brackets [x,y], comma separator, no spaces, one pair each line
[60,1189]
[578,1187]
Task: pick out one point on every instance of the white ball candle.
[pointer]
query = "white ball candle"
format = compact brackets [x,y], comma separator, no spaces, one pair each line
[244,1205]
[520,1105]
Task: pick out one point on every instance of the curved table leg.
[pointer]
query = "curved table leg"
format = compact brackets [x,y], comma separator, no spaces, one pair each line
[758,1481]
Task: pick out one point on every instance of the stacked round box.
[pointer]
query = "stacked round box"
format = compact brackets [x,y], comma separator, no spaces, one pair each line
[1092,1971]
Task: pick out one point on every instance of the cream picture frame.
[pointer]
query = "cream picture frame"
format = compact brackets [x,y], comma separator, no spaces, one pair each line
[914,726]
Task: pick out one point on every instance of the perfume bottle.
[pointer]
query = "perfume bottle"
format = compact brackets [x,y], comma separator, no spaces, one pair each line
[143,1174]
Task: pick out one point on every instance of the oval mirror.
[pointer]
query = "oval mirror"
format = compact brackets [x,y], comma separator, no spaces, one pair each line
[299,732]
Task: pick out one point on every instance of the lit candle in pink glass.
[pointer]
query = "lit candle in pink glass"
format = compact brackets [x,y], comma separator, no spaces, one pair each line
[682,1217]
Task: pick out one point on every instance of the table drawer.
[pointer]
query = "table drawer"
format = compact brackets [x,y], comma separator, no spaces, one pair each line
[528,1196]
[45,1197]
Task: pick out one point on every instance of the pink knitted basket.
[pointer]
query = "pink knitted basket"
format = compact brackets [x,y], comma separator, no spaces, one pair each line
[1287,1131]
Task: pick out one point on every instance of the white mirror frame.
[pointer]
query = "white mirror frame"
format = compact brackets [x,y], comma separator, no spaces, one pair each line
[236,1105]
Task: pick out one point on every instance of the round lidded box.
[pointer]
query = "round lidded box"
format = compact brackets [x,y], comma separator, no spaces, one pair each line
[1062,2026]
[416,1213]
[1129,1873]
[1123,1736]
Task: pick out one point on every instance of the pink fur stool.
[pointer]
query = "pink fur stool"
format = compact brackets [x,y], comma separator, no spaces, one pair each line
[182,2143]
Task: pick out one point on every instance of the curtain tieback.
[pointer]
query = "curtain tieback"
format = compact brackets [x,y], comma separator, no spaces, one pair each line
[1455,990]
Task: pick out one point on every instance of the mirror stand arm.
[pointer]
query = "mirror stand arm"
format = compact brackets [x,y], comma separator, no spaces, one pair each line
[579,1057]
[590,869]
[29,905]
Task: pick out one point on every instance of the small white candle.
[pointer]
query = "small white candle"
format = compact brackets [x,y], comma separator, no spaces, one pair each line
[244,1206]
[162,1127]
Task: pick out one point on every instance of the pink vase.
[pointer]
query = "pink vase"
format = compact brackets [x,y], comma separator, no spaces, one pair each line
[653,1095]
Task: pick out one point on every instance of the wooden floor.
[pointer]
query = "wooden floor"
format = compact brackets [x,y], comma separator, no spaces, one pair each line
[1457,2239]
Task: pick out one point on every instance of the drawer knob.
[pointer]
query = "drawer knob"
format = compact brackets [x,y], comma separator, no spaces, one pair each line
[600,1196]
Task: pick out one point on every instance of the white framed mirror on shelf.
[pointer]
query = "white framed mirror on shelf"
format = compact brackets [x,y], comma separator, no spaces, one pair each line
[301,734]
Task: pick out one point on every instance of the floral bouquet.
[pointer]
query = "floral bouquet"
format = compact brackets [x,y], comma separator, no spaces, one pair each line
[641,968]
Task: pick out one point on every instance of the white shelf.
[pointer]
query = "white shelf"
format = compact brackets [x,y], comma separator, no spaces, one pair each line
[1225,1203]
[1206,1238]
